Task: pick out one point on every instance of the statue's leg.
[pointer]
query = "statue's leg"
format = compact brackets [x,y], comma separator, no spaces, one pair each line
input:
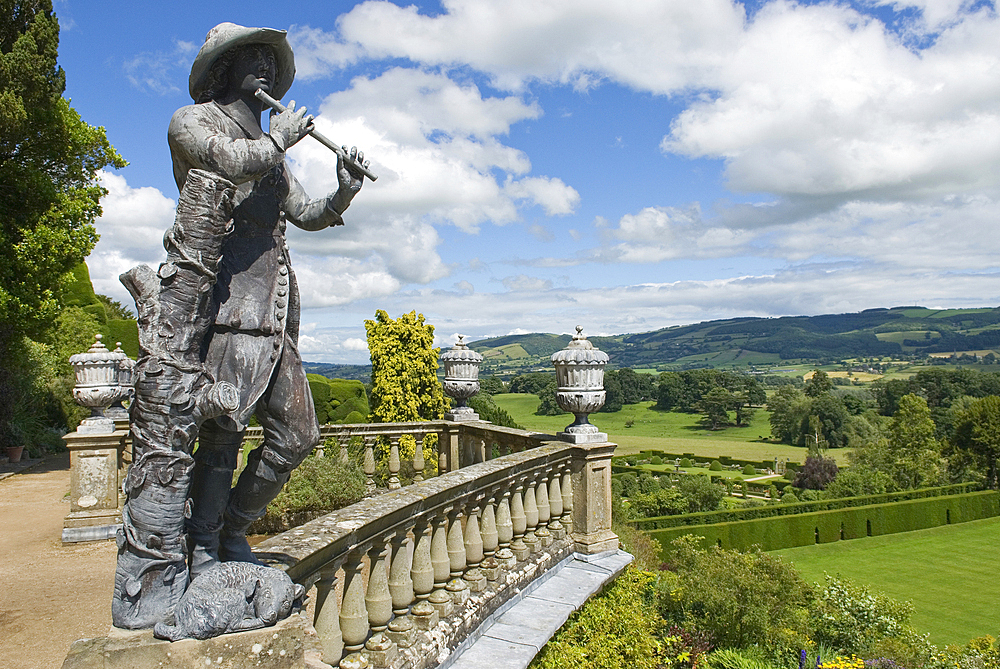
[211,481]
[291,432]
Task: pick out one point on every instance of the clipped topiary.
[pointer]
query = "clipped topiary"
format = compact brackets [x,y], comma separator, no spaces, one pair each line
[716,466]
[686,462]
[749,470]
[656,460]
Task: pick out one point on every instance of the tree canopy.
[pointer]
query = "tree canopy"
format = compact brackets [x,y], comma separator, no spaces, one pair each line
[49,160]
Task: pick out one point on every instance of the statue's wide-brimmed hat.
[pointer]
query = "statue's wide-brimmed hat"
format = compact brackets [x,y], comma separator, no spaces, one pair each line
[226,36]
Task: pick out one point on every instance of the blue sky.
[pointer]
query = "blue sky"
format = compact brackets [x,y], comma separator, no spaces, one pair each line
[621,166]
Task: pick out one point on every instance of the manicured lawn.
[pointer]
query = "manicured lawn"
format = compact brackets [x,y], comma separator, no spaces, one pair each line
[949,573]
[666,431]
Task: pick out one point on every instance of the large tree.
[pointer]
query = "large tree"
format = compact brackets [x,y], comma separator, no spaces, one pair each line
[49,159]
[977,436]
[49,193]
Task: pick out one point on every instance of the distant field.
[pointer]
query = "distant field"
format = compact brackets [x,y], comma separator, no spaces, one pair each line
[666,431]
[949,573]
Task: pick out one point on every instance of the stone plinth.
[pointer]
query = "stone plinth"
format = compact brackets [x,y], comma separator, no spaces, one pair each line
[95,511]
[592,499]
[291,644]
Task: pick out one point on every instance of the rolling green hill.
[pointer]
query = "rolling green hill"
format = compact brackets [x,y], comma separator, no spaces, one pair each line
[746,342]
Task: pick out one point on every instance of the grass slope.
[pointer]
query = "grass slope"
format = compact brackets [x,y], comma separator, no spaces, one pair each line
[949,573]
[665,431]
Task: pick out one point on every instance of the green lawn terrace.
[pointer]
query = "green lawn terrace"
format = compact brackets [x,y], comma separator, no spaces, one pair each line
[946,572]
[668,431]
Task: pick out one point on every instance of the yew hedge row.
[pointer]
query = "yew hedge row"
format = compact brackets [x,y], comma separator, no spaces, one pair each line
[787,531]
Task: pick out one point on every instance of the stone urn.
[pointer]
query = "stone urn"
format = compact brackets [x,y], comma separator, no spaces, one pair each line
[580,387]
[97,387]
[461,379]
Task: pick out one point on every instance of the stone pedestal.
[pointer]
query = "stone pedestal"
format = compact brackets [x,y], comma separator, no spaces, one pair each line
[95,462]
[291,644]
[592,499]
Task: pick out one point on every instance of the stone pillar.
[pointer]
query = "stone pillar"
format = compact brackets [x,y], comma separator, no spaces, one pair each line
[95,512]
[591,485]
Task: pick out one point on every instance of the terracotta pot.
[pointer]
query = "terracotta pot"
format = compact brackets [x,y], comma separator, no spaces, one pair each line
[14,453]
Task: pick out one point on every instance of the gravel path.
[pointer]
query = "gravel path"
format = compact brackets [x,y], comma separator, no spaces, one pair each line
[50,593]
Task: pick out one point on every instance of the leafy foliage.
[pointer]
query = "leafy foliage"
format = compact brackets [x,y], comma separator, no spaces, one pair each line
[317,486]
[404,369]
[977,436]
[713,594]
[49,159]
[816,473]
[404,378]
[615,630]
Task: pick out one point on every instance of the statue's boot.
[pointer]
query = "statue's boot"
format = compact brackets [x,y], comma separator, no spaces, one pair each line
[257,486]
[209,493]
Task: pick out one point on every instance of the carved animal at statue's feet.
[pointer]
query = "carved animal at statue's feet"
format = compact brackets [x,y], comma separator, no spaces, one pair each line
[232,597]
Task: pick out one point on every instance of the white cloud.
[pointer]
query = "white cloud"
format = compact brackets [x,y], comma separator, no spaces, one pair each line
[434,145]
[523,283]
[820,100]
[647,44]
[154,71]
[131,230]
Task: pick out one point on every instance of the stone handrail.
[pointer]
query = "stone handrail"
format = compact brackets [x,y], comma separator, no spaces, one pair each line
[459,444]
[452,548]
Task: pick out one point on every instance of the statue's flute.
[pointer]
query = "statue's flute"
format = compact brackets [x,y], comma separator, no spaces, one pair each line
[322,139]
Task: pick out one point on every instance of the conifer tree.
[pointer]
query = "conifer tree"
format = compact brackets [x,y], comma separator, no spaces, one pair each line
[404,375]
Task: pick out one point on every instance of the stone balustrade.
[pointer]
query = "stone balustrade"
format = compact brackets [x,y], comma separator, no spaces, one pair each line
[402,578]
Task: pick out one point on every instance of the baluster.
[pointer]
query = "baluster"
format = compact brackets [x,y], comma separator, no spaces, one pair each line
[505,533]
[442,566]
[474,551]
[344,455]
[320,449]
[401,629]
[327,617]
[442,453]
[491,538]
[504,445]
[519,522]
[479,446]
[567,496]
[353,614]
[425,616]
[531,517]
[369,464]
[457,587]
[400,582]
[394,463]
[544,512]
[378,600]
[418,460]
[556,507]
[379,648]
[468,457]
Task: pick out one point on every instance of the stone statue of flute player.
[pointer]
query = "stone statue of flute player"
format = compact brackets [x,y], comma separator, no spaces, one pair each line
[252,342]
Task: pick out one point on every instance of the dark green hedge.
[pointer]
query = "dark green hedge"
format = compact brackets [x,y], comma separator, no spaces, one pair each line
[738,515]
[833,525]
[338,400]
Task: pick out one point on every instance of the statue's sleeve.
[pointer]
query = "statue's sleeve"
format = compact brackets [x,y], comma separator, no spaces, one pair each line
[306,213]
[200,140]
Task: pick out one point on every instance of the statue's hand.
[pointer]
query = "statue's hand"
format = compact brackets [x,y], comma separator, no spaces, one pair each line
[349,177]
[291,125]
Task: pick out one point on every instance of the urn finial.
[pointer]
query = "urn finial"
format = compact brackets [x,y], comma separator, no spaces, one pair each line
[461,379]
[580,386]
